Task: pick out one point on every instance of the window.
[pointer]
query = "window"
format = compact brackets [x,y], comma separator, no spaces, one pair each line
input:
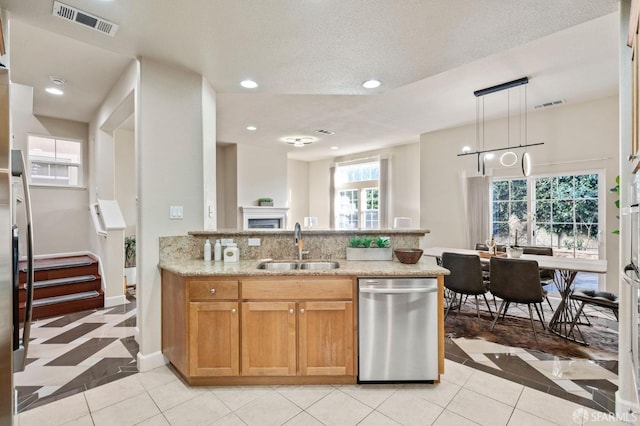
[564,212]
[357,189]
[55,161]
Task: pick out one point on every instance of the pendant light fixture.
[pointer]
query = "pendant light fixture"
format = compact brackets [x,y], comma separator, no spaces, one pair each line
[508,158]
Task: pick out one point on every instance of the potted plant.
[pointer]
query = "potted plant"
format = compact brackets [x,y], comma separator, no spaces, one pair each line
[130,260]
[369,248]
[265,201]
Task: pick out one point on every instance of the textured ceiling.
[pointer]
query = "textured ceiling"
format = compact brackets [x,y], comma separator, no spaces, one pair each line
[310,56]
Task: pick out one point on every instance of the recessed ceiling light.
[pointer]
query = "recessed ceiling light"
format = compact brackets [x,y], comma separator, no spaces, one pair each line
[54,91]
[252,128]
[335,147]
[371,84]
[248,84]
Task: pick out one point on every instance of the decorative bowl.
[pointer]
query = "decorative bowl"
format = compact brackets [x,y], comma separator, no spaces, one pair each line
[406,255]
[514,252]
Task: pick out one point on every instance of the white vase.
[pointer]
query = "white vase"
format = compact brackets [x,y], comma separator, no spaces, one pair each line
[130,276]
[514,252]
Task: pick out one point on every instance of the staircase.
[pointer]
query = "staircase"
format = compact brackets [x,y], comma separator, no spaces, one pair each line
[62,285]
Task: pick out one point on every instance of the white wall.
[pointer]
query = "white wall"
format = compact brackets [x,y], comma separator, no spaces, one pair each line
[125,177]
[404,183]
[169,138]
[209,174]
[297,191]
[262,172]
[581,137]
[61,222]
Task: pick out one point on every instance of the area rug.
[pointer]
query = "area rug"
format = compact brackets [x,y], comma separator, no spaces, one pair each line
[516,332]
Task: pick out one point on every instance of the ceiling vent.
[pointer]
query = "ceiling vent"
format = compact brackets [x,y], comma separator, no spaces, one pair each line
[326,132]
[549,104]
[78,16]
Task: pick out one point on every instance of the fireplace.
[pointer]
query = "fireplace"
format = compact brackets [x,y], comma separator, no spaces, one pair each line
[264,217]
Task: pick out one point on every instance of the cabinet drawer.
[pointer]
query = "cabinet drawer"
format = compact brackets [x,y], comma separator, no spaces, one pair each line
[301,289]
[212,290]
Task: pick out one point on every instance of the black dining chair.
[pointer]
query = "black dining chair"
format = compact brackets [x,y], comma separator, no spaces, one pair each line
[516,281]
[465,279]
[546,275]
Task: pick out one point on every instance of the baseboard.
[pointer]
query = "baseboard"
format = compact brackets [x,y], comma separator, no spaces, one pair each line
[115,301]
[626,411]
[151,361]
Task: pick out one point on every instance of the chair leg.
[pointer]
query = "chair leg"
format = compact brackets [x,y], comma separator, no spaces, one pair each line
[549,302]
[489,307]
[475,297]
[540,317]
[505,309]
[451,302]
[535,335]
[493,324]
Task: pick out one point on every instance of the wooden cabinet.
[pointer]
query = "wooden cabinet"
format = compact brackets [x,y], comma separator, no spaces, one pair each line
[326,338]
[214,339]
[269,339]
[260,330]
[298,337]
[201,325]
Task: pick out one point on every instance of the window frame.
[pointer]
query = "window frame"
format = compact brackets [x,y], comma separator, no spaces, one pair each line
[80,165]
[531,201]
[361,187]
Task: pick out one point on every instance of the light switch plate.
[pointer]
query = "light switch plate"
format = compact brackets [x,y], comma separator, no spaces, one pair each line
[253,242]
[175,212]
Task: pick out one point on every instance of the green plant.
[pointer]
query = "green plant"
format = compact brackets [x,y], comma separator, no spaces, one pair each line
[368,242]
[616,189]
[265,200]
[130,251]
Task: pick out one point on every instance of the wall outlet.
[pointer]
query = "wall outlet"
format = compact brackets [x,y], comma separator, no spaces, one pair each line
[226,241]
[253,242]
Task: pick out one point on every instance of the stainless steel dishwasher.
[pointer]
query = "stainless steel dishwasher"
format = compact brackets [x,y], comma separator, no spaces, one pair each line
[397,329]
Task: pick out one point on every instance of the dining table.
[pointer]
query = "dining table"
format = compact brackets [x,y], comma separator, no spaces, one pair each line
[566,269]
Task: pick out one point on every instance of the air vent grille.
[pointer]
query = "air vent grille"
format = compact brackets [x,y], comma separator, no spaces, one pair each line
[550,104]
[326,132]
[78,16]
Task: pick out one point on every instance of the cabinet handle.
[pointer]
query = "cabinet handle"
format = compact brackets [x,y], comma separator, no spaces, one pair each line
[302,311]
[212,291]
[233,311]
[291,310]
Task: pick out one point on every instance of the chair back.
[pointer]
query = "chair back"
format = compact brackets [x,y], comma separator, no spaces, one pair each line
[540,251]
[466,273]
[482,247]
[515,280]
[545,274]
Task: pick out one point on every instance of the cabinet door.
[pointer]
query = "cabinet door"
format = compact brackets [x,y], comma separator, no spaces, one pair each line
[268,339]
[326,338]
[213,339]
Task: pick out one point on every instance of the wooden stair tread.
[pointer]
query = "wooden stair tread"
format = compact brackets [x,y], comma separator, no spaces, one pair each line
[65,298]
[64,281]
[44,264]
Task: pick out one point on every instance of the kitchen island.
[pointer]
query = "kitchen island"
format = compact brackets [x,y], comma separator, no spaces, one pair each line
[236,324]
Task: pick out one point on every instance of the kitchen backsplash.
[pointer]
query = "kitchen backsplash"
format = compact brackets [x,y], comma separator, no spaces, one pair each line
[280,244]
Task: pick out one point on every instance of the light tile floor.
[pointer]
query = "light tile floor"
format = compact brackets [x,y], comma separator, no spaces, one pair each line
[465,396]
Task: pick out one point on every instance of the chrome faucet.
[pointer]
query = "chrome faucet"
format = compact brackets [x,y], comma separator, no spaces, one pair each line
[297,236]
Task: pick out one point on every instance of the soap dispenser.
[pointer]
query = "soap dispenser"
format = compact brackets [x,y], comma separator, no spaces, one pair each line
[217,251]
[207,251]
[231,253]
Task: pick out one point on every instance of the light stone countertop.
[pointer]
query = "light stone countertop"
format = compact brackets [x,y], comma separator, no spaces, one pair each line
[424,268]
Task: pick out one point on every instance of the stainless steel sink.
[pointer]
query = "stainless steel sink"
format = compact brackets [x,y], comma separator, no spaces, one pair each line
[319,265]
[280,265]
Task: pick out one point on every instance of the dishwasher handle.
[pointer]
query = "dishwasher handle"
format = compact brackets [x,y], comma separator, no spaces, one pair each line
[399,290]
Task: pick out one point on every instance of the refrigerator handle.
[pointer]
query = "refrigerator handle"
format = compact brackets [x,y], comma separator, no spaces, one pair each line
[18,169]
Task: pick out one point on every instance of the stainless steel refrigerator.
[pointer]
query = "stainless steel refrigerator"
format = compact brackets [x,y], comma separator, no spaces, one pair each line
[13,347]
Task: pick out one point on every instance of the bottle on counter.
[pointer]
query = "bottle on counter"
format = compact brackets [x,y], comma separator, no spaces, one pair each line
[207,251]
[217,251]
[231,253]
